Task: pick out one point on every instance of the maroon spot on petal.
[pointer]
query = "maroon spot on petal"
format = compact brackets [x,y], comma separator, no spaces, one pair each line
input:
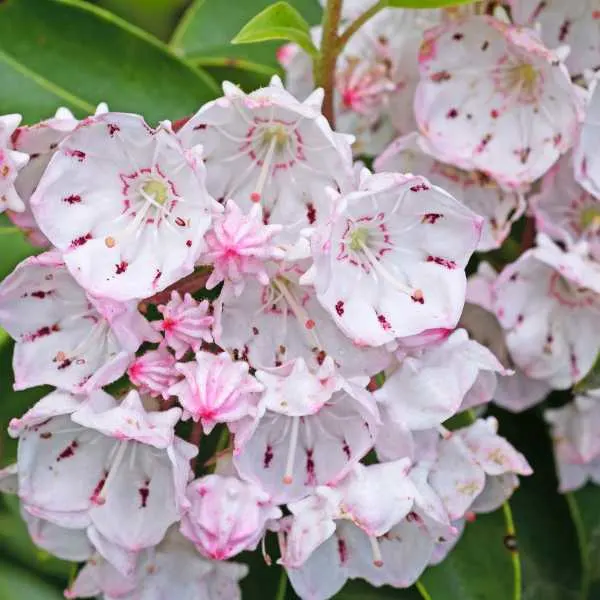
[144,492]
[46,435]
[42,332]
[418,297]
[452,113]
[255,330]
[485,45]
[458,36]
[200,127]
[268,457]
[72,199]
[177,125]
[538,9]
[156,277]
[311,213]
[69,451]
[339,308]
[188,243]
[346,450]
[444,262]
[78,154]
[440,76]
[95,497]
[557,139]
[179,221]
[523,154]
[321,356]
[494,113]
[310,468]
[121,267]
[80,241]
[65,364]
[520,319]
[112,129]
[513,277]
[384,322]
[485,140]
[41,294]
[431,218]
[342,550]
[420,187]
[564,30]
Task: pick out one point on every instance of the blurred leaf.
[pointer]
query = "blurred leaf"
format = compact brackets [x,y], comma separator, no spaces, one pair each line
[584,506]
[16,543]
[426,3]
[280,21]
[591,381]
[480,567]
[18,584]
[202,43]
[158,17]
[546,535]
[65,52]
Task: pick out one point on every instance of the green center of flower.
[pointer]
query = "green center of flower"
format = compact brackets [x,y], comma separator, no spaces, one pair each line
[157,190]
[590,217]
[276,134]
[359,238]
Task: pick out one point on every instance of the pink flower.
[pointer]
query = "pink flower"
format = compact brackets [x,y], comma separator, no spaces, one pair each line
[216,389]
[147,195]
[154,372]
[226,516]
[64,336]
[381,269]
[238,246]
[548,301]
[186,323]
[510,113]
[266,147]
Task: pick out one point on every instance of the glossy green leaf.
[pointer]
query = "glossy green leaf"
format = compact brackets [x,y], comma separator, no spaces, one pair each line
[197,38]
[591,381]
[584,506]
[280,21]
[70,53]
[18,584]
[426,3]
[481,566]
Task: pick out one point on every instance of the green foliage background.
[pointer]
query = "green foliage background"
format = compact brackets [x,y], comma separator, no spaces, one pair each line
[163,59]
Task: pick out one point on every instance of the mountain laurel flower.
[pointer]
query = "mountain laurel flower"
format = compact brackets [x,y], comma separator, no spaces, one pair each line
[585,158]
[511,113]
[154,372]
[381,269]
[148,194]
[11,162]
[226,515]
[239,245]
[186,323]
[216,389]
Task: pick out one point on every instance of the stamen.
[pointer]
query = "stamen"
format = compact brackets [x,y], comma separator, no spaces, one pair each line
[415,293]
[377,558]
[289,465]
[264,172]
[100,498]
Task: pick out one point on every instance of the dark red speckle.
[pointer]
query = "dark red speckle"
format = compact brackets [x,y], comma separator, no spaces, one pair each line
[444,262]
[78,154]
[420,187]
[311,213]
[41,294]
[144,493]
[112,129]
[342,551]
[69,451]
[80,241]
[73,199]
[268,457]
[339,308]
[452,113]
[431,218]
[346,450]
[384,322]
[121,267]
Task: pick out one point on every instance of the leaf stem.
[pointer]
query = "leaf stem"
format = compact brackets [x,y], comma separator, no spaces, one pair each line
[586,565]
[282,587]
[359,22]
[325,68]
[194,439]
[511,531]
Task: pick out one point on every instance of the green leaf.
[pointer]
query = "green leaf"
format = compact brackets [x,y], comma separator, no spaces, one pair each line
[584,507]
[546,535]
[426,3]
[197,38]
[280,21]
[480,567]
[18,584]
[361,590]
[591,381]
[71,53]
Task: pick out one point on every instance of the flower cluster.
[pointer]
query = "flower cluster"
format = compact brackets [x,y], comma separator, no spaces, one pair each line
[236,272]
